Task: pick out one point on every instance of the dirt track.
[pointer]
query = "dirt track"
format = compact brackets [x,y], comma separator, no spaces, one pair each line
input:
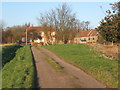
[69,77]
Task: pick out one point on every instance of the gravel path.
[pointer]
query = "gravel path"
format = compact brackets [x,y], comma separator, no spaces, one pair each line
[69,77]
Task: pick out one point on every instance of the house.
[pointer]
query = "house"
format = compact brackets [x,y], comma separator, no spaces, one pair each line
[86,36]
[41,35]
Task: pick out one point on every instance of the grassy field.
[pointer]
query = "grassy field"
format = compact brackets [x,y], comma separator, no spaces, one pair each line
[90,61]
[8,53]
[19,72]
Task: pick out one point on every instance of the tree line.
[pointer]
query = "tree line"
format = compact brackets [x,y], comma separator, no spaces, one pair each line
[13,34]
[66,24]
[62,19]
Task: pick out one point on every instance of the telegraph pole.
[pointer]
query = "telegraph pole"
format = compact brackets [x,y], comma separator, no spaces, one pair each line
[27,26]
[26,36]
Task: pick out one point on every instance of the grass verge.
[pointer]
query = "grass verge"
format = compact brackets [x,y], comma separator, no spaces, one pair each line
[19,72]
[90,61]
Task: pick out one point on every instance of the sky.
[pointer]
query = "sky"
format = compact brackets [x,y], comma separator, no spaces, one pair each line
[19,13]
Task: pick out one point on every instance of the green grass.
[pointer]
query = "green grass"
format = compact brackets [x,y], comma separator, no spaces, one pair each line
[0,67]
[89,60]
[0,57]
[19,72]
[8,53]
[54,64]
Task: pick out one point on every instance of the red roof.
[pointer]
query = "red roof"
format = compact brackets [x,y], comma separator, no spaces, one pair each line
[37,29]
[87,33]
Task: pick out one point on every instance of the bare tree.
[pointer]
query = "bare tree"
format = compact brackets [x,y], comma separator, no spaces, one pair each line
[2,24]
[84,25]
[87,25]
[63,20]
[13,34]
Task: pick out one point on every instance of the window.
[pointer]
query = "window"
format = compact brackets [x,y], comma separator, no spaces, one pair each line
[89,39]
[31,32]
[53,33]
[38,33]
[93,38]
[43,39]
[83,40]
[42,33]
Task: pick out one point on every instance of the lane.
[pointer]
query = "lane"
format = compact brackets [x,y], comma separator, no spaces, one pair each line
[84,80]
[47,76]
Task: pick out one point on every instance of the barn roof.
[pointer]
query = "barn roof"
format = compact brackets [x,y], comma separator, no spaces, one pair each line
[87,33]
[37,29]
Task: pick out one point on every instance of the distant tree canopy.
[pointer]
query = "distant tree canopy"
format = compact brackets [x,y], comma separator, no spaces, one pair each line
[64,21]
[13,34]
[109,28]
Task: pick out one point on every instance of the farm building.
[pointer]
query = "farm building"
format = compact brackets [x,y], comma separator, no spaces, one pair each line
[40,35]
[86,36]
[46,35]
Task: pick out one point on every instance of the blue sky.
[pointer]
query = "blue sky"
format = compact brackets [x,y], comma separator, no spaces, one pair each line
[18,13]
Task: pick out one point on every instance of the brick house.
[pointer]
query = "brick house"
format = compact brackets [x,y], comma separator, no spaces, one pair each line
[44,35]
[90,36]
